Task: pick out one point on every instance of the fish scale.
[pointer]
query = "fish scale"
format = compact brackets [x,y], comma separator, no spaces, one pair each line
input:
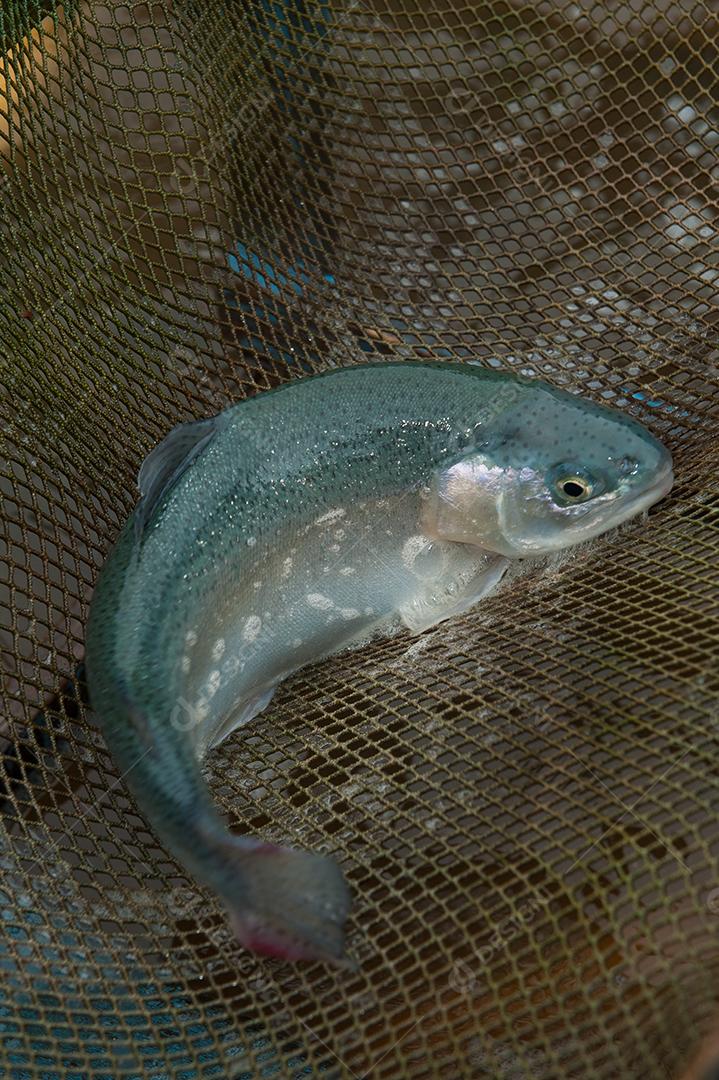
[301,522]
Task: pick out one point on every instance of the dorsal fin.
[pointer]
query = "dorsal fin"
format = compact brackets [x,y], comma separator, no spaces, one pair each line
[164,465]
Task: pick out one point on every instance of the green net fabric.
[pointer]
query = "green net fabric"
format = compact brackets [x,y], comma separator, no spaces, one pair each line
[202,200]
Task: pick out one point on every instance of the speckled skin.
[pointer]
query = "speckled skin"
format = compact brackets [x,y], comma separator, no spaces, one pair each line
[312,517]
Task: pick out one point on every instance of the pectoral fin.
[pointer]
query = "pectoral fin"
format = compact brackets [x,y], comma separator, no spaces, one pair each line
[466,579]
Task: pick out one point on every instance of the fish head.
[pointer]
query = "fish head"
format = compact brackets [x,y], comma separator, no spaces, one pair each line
[551,471]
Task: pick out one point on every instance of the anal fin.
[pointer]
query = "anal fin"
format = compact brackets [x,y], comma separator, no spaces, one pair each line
[237,717]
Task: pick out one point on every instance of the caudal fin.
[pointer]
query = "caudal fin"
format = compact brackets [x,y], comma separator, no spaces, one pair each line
[290,904]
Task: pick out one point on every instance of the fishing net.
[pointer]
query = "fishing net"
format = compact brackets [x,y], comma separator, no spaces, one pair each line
[202,200]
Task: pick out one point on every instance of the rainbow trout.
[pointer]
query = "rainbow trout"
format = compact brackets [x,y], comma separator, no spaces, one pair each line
[298,523]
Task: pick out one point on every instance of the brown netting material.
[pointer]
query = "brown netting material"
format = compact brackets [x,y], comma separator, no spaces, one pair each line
[201,200]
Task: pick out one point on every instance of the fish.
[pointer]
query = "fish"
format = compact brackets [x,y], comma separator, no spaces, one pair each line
[303,521]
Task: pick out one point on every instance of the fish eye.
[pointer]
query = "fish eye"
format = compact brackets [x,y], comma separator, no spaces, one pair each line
[572,485]
[575,487]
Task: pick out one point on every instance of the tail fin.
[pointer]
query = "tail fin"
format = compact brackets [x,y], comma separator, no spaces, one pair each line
[290,904]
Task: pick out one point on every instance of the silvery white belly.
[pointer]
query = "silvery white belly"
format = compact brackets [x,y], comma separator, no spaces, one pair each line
[349,574]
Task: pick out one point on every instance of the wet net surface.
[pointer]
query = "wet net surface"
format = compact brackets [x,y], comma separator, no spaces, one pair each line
[200,201]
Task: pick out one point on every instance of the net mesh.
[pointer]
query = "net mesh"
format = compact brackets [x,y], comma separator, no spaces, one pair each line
[202,200]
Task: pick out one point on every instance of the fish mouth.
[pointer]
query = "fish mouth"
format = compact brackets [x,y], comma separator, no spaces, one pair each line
[660,486]
[612,514]
[615,515]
